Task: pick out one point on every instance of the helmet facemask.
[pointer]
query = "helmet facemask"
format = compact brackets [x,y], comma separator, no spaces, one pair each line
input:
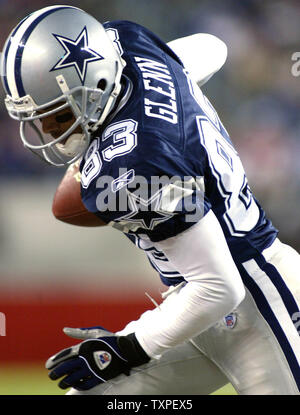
[55,151]
[85,105]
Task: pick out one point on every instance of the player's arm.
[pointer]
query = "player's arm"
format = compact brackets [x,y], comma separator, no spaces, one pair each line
[202,54]
[214,288]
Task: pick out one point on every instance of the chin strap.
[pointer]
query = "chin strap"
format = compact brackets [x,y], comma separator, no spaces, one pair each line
[113,95]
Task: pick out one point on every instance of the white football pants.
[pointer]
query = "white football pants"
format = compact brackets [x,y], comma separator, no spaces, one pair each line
[256,349]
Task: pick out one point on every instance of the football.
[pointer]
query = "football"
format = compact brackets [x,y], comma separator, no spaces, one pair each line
[67,205]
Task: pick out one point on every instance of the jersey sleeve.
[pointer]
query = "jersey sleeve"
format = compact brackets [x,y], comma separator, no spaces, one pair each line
[150,191]
[212,288]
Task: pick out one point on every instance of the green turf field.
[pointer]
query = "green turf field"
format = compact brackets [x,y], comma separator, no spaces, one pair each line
[26,380]
[33,380]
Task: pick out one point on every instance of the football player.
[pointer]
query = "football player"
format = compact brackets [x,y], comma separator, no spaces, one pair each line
[157,164]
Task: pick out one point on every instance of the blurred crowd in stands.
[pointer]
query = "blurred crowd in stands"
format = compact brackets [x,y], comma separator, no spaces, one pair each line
[255,94]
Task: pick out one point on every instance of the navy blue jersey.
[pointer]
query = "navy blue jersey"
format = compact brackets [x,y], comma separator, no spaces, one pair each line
[163,159]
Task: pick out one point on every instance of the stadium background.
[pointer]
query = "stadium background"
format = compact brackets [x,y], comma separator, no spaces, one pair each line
[54,275]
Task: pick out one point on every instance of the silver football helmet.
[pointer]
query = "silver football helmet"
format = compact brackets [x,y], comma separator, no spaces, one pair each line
[56,58]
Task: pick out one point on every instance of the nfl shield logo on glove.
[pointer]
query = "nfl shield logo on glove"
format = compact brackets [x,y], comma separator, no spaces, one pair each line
[102,358]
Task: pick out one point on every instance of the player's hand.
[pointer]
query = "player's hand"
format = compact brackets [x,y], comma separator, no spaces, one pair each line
[95,360]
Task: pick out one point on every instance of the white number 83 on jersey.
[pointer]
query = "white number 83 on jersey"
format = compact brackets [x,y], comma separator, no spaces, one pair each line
[124,140]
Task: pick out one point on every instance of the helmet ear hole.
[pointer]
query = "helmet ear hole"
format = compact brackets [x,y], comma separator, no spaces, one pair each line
[102,84]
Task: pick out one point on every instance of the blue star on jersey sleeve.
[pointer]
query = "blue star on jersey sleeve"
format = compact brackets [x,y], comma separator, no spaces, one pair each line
[143,213]
[159,206]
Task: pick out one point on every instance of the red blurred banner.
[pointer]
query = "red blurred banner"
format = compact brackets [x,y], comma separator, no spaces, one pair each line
[34,321]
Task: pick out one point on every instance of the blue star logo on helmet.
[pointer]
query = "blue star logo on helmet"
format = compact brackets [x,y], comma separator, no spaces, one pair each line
[78,54]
